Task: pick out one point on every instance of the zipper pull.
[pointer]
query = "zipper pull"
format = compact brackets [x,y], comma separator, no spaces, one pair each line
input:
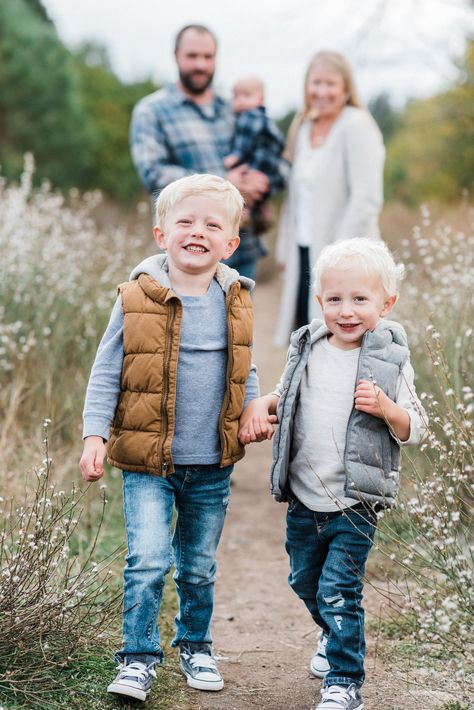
[164,468]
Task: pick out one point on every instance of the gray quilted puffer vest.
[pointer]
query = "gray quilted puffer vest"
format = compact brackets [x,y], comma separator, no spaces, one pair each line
[372,455]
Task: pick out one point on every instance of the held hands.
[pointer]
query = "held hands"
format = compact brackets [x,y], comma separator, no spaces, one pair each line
[257,420]
[92,459]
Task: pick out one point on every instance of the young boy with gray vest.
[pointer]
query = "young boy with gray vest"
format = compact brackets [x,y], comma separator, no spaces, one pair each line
[345,404]
[168,385]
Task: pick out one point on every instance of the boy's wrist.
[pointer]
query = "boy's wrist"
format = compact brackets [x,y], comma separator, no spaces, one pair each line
[398,420]
[271,400]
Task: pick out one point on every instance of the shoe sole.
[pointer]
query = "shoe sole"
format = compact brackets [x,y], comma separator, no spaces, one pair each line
[202,684]
[127,691]
[317,673]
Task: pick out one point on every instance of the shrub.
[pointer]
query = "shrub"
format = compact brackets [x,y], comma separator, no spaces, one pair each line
[52,602]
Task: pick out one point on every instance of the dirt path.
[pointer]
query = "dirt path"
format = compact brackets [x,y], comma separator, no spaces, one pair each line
[262,632]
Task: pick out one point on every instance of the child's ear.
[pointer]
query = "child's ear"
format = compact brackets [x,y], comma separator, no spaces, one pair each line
[159,238]
[319,299]
[232,245]
[388,305]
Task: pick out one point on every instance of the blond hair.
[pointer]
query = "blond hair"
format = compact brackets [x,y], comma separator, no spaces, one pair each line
[338,63]
[200,185]
[372,255]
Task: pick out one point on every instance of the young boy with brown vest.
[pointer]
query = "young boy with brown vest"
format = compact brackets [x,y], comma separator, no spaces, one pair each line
[171,377]
[345,403]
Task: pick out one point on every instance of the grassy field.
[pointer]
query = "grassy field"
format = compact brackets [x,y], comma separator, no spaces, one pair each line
[63,260]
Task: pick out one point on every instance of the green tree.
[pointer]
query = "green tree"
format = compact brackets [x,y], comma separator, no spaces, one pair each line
[285,122]
[109,103]
[388,120]
[431,157]
[40,107]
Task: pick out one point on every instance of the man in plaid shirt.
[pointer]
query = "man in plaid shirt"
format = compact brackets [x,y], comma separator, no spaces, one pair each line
[185,128]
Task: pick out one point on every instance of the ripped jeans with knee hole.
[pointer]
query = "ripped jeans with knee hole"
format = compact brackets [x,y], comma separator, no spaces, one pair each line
[200,496]
[328,552]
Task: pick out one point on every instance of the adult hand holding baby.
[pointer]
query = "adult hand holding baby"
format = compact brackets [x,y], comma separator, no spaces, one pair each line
[251,183]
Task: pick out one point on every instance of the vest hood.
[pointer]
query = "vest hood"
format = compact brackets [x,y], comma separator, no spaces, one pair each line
[156,266]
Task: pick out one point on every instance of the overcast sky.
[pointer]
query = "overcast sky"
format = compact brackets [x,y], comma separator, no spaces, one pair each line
[402,47]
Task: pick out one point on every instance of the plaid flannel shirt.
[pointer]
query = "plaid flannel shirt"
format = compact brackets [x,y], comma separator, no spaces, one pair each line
[258,142]
[171,136]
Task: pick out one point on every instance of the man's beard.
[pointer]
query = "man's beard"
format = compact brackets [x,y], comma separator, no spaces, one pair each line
[188,81]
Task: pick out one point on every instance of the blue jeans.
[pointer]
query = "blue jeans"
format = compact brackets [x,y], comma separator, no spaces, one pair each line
[328,552]
[200,495]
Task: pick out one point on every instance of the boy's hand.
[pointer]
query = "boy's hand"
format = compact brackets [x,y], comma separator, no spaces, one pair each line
[257,420]
[92,459]
[371,399]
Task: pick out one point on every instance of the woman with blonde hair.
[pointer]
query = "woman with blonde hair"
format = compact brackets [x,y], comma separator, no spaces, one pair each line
[336,183]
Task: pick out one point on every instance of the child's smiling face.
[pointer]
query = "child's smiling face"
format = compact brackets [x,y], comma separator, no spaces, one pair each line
[352,301]
[197,235]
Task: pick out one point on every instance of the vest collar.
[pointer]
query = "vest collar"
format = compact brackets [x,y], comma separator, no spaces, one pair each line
[156,267]
[386,332]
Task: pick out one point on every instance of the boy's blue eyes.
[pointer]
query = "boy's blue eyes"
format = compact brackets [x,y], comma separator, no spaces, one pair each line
[214,225]
[336,299]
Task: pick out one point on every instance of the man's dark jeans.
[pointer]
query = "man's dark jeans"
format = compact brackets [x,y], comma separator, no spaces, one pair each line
[328,552]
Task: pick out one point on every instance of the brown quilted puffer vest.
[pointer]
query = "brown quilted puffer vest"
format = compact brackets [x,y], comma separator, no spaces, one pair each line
[143,427]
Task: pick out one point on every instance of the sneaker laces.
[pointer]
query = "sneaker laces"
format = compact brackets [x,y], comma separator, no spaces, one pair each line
[322,643]
[136,670]
[336,693]
[203,660]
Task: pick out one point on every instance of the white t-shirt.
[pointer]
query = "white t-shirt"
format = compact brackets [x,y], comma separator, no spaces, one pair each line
[309,167]
[316,470]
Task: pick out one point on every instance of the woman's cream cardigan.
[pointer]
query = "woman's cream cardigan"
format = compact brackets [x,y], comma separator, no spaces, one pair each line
[348,197]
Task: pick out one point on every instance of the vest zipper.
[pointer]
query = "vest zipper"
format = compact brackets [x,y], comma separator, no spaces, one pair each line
[164,399]
[353,411]
[230,362]
[278,435]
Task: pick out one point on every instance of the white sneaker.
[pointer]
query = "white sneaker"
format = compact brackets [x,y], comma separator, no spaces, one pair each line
[319,665]
[133,680]
[335,697]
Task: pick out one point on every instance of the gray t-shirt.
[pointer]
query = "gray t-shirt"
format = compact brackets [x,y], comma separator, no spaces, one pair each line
[202,365]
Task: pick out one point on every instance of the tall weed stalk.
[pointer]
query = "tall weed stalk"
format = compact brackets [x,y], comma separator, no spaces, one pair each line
[58,277]
[429,535]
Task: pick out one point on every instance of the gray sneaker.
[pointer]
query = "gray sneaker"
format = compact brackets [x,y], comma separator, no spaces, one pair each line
[336,697]
[133,680]
[199,666]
